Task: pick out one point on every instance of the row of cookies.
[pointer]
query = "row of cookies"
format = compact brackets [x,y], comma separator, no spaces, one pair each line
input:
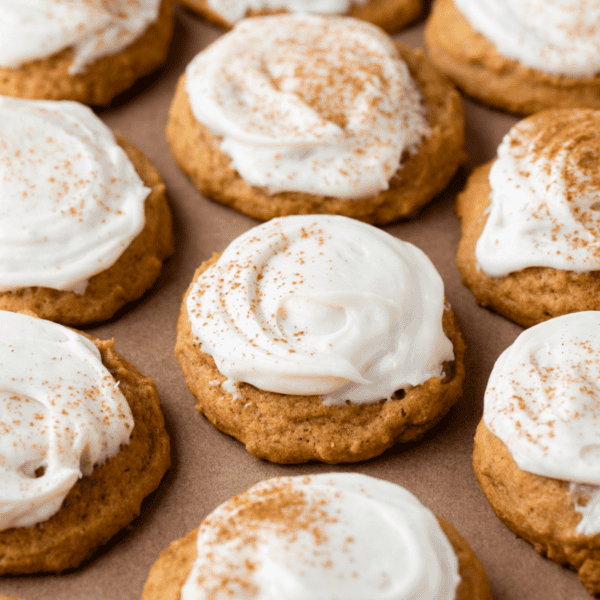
[90,52]
[523,57]
[57,556]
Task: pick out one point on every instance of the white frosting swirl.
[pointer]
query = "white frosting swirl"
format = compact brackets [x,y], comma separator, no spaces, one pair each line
[561,37]
[542,398]
[33,29]
[308,104]
[70,199]
[322,305]
[60,409]
[545,196]
[234,10]
[329,536]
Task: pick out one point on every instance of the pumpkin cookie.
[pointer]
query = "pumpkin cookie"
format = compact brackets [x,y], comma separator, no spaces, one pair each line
[522,57]
[64,495]
[536,448]
[84,51]
[390,15]
[318,532]
[374,141]
[86,224]
[299,343]
[530,245]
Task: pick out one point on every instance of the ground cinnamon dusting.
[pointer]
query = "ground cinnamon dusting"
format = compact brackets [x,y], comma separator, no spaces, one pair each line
[280,510]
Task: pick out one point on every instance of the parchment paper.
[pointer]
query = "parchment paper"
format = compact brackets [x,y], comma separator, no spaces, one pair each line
[208,466]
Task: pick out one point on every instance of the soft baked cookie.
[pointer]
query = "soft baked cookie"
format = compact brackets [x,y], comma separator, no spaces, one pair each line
[390,15]
[86,224]
[319,337]
[530,245]
[64,495]
[76,50]
[536,448]
[540,55]
[346,122]
[335,535]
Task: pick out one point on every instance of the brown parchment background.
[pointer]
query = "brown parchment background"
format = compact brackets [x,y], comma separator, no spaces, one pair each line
[208,466]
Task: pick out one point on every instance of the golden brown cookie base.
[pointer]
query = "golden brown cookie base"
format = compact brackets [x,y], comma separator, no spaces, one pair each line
[474,64]
[390,15]
[127,279]
[292,429]
[538,509]
[101,504]
[49,78]
[422,176]
[170,571]
[528,296]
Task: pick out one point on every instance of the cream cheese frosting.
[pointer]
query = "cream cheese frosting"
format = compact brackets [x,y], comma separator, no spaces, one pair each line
[329,536]
[234,10]
[322,305]
[545,196]
[34,29]
[322,105]
[559,37]
[61,411]
[70,200]
[542,401]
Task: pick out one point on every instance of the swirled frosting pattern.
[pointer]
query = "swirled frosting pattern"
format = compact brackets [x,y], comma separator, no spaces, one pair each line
[313,537]
[559,37]
[309,104]
[61,412]
[322,305]
[33,29]
[545,200]
[234,10]
[70,199]
[542,401]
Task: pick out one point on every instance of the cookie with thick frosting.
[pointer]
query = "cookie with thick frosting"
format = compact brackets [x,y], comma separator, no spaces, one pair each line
[83,443]
[83,51]
[86,224]
[317,533]
[530,245]
[320,337]
[536,448]
[343,121]
[520,56]
[390,15]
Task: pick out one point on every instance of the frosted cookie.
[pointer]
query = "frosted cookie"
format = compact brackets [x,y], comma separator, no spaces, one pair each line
[390,15]
[305,114]
[85,222]
[82,444]
[336,535]
[530,244]
[88,51]
[519,56]
[319,337]
[536,451]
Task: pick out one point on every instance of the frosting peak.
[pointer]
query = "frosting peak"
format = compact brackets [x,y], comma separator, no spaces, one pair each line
[545,196]
[61,413]
[325,536]
[543,396]
[561,37]
[34,29]
[308,104]
[322,305]
[70,199]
